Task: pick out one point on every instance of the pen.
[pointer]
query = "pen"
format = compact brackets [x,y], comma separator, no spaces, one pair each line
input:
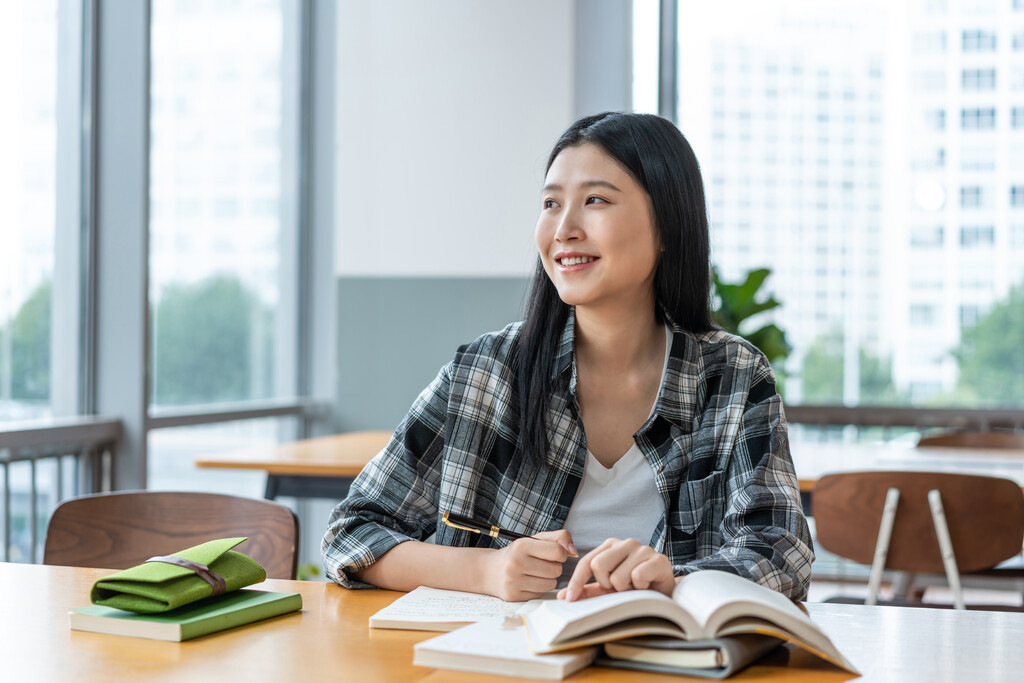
[467,524]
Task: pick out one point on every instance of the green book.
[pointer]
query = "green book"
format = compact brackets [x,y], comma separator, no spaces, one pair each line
[190,621]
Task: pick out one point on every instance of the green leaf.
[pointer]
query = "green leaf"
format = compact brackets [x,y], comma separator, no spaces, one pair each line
[771,340]
[737,303]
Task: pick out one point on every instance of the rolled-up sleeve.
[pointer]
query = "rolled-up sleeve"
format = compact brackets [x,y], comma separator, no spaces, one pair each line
[394,498]
[764,534]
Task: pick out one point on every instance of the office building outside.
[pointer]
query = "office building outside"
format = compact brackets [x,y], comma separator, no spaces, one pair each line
[872,155]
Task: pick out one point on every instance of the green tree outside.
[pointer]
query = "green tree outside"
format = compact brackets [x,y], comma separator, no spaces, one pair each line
[823,368]
[212,341]
[30,346]
[991,356]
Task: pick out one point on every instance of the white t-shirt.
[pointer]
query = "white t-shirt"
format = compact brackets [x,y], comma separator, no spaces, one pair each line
[617,502]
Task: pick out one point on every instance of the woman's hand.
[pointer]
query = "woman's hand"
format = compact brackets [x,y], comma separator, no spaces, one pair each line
[618,565]
[528,568]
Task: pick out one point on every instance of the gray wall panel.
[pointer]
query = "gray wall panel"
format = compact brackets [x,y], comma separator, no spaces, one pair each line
[395,334]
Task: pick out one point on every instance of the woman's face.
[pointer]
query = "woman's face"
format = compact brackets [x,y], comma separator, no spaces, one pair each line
[596,232]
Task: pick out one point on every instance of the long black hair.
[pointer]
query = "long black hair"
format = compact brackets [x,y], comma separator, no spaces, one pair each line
[653,151]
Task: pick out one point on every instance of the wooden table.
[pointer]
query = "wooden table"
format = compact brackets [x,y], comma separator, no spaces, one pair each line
[330,640]
[312,468]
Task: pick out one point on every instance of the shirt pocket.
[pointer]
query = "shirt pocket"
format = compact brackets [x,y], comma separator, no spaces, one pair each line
[692,516]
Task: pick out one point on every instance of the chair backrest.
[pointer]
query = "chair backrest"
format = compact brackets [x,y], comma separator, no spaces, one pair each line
[120,530]
[985,516]
[1006,440]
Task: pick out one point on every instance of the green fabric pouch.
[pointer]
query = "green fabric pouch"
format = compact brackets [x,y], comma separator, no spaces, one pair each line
[162,584]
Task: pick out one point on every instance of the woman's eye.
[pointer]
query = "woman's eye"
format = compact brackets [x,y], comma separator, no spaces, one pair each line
[595,200]
[550,203]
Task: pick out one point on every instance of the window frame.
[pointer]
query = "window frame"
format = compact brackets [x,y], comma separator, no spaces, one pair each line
[114,299]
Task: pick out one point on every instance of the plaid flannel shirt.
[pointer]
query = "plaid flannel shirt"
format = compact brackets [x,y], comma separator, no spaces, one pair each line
[717,445]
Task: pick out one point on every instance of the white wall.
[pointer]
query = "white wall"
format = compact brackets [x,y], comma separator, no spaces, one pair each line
[446,112]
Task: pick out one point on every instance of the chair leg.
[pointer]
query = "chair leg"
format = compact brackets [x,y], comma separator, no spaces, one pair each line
[892,499]
[946,547]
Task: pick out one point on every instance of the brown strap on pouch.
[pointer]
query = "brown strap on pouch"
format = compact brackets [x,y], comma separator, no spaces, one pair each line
[215,580]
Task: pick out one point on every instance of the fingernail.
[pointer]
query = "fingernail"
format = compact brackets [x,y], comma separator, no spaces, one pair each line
[570,594]
[572,550]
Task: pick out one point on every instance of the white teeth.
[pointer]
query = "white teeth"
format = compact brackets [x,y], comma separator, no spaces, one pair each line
[576,260]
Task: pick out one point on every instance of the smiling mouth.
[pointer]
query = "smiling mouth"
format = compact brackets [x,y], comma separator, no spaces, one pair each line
[576,261]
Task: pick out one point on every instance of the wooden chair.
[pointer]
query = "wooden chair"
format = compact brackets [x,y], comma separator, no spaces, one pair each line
[858,516]
[120,530]
[965,439]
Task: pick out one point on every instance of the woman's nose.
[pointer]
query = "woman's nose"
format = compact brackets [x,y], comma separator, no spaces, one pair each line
[568,226]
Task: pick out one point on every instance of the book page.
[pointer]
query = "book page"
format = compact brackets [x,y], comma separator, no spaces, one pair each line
[558,623]
[707,594]
[427,605]
[728,604]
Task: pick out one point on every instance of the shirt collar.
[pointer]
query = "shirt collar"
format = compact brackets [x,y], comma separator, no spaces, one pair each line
[564,353]
[677,397]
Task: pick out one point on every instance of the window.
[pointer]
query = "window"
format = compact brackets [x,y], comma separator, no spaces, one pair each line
[978,157]
[979,41]
[969,314]
[1017,196]
[215,284]
[978,119]
[928,158]
[219,297]
[972,236]
[981,6]
[930,80]
[935,119]
[1017,235]
[926,236]
[1018,41]
[1017,117]
[645,56]
[30,211]
[974,197]
[77,258]
[930,42]
[922,315]
[946,146]
[978,79]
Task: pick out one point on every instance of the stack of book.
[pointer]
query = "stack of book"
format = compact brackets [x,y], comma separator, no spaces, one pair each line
[196,619]
[714,625]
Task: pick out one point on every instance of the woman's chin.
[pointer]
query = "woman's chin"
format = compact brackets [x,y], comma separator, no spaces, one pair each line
[574,298]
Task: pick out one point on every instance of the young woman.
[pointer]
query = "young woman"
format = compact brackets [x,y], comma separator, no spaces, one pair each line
[615,422]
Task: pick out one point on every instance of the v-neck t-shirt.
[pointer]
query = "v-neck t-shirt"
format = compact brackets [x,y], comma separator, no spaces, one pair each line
[621,501]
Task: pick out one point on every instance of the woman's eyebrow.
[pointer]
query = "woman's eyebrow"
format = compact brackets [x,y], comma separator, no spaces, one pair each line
[555,187]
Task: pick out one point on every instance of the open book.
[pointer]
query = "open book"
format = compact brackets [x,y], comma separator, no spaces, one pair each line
[434,609]
[704,605]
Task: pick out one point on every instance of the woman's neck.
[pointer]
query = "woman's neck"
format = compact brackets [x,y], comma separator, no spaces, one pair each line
[619,341]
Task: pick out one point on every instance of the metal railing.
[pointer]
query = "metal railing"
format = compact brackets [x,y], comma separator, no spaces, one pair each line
[45,462]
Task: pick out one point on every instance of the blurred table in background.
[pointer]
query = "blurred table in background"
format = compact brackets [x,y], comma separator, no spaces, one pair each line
[323,467]
[813,460]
